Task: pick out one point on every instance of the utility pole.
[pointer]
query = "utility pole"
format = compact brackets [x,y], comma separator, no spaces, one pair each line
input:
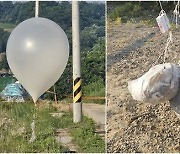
[77,91]
[37,9]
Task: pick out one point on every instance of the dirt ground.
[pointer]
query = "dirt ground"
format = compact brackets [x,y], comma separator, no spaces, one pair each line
[138,126]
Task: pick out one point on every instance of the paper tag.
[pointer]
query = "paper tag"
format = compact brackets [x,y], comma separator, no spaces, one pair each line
[163,22]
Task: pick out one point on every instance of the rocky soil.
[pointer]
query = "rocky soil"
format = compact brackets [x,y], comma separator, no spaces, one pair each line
[138,126]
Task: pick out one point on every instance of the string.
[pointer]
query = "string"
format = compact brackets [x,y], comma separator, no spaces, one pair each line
[176,13]
[160,5]
[33,135]
[169,40]
[36,8]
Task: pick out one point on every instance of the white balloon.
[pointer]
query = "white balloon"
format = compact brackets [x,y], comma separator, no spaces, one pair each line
[37,53]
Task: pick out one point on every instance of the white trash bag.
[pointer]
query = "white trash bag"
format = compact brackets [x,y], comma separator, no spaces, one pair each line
[160,83]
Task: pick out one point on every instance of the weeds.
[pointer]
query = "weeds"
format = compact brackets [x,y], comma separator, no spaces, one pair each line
[84,135]
[126,11]
[118,21]
[15,130]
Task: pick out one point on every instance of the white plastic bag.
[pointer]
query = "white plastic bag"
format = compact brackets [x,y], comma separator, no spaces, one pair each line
[160,83]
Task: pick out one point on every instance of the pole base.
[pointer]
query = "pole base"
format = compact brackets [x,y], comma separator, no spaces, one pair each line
[77,112]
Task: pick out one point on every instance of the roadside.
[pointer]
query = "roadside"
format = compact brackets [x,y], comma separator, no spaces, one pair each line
[97,113]
[94,111]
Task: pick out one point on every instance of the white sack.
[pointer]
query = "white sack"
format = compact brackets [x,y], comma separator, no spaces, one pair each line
[160,83]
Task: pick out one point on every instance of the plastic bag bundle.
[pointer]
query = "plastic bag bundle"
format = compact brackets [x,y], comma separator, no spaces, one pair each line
[160,83]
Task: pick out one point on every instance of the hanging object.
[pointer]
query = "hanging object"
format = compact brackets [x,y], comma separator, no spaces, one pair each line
[163,22]
[176,13]
[33,136]
[37,53]
[160,83]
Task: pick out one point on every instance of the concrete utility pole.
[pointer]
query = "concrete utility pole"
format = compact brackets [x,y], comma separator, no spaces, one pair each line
[77,92]
[37,9]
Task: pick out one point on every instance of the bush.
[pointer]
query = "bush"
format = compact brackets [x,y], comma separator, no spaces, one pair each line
[3,40]
[128,10]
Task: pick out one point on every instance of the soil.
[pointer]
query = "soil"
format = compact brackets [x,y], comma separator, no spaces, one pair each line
[132,48]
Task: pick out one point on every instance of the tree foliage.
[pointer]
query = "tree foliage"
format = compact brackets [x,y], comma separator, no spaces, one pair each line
[93,69]
[127,10]
[3,40]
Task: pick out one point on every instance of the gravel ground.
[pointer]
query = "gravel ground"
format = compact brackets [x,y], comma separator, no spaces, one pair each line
[138,126]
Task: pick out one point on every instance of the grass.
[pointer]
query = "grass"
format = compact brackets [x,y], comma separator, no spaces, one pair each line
[15,130]
[137,15]
[84,135]
[95,89]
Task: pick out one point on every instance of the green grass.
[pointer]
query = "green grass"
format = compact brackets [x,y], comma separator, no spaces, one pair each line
[4,82]
[95,89]
[6,25]
[15,127]
[16,132]
[83,134]
[137,15]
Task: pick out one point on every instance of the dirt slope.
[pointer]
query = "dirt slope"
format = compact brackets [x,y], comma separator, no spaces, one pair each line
[134,126]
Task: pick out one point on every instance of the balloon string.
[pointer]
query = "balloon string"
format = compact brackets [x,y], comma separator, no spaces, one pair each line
[176,13]
[160,5]
[33,135]
[169,40]
[37,8]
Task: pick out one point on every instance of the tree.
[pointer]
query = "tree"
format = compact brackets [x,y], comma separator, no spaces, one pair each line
[3,40]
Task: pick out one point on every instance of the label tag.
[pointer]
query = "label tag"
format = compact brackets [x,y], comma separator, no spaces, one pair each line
[163,22]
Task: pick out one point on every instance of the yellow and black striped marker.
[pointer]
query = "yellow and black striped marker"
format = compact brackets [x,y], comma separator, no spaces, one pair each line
[77,91]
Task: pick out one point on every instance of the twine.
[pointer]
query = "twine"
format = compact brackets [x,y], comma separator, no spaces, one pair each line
[176,13]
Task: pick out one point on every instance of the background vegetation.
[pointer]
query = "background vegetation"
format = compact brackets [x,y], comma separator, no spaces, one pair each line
[92,25]
[140,9]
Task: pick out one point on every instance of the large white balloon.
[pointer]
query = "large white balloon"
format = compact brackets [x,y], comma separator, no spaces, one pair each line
[37,53]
